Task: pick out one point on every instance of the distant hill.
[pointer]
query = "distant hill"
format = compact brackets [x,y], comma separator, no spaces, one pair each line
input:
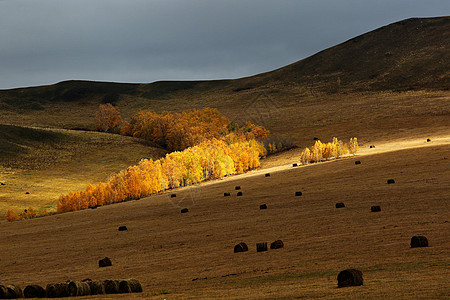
[412,54]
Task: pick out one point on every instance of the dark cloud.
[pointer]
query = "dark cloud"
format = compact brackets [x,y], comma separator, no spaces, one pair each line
[47,41]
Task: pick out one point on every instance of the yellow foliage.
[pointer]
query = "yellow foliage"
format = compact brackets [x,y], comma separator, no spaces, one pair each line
[11,215]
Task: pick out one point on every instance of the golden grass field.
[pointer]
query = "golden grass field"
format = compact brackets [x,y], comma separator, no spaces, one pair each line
[166,250]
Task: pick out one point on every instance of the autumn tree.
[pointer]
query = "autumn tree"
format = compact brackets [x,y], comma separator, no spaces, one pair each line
[11,215]
[107,117]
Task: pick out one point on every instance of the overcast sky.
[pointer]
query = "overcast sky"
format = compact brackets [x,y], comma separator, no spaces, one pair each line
[47,41]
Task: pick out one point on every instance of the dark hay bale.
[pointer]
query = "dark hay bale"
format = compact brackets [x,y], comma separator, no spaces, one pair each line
[241,247]
[97,287]
[267,175]
[419,241]
[357,162]
[130,286]
[260,247]
[428,140]
[4,294]
[27,193]
[184,210]
[173,195]
[375,208]
[2,183]
[57,290]
[316,138]
[298,194]
[350,277]
[237,187]
[14,291]
[78,288]
[105,262]
[390,181]
[294,165]
[340,205]
[34,291]
[263,206]
[123,228]
[277,244]
[226,194]
[239,194]
[111,286]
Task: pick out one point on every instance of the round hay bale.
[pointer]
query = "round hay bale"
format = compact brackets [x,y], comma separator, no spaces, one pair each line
[173,195]
[358,162]
[226,194]
[294,165]
[34,291]
[316,138]
[105,262]
[419,241]
[375,208]
[390,181]
[372,146]
[130,286]
[123,228]
[97,287]
[241,247]
[111,286]
[237,187]
[428,140]
[4,294]
[14,291]
[57,290]
[267,175]
[340,205]
[263,206]
[260,247]
[184,210]
[350,277]
[239,194]
[78,288]
[298,194]
[277,244]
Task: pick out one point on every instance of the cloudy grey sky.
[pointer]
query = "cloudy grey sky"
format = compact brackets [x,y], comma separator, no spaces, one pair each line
[47,41]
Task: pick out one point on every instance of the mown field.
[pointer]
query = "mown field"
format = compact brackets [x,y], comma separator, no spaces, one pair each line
[191,255]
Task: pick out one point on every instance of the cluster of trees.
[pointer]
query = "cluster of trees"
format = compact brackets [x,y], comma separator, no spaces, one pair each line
[208,160]
[107,117]
[322,151]
[178,131]
[25,214]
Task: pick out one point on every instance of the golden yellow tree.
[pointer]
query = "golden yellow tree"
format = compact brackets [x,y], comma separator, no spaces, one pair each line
[107,117]
[11,215]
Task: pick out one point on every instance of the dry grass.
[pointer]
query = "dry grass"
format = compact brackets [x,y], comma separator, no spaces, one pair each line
[166,250]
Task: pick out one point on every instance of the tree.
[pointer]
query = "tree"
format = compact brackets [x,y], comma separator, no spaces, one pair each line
[107,117]
[11,215]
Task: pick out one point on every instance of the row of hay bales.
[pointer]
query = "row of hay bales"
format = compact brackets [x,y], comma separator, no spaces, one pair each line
[86,287]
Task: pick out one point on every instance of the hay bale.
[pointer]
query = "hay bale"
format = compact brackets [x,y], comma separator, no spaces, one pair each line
[263,206]
[298,194]
[419,241]
[241,247]
[316,138]
[57,290]
[111,286]
[14,291]
[105,262]
[130,286]
[390,181]
[428,140]
[277,244]
[173,195]
[372,146]
[4,294]
[350,277]
[375,208]
[294,165]
[260,247]
[97,287]
[357,162]
[184,210]
[340,205]
[239,194]
[34,291]
[267,175]
[226,194]
[78,288]
[123,228]
[237,187]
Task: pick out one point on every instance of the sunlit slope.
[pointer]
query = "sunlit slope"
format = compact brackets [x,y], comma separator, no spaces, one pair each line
[191,255]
